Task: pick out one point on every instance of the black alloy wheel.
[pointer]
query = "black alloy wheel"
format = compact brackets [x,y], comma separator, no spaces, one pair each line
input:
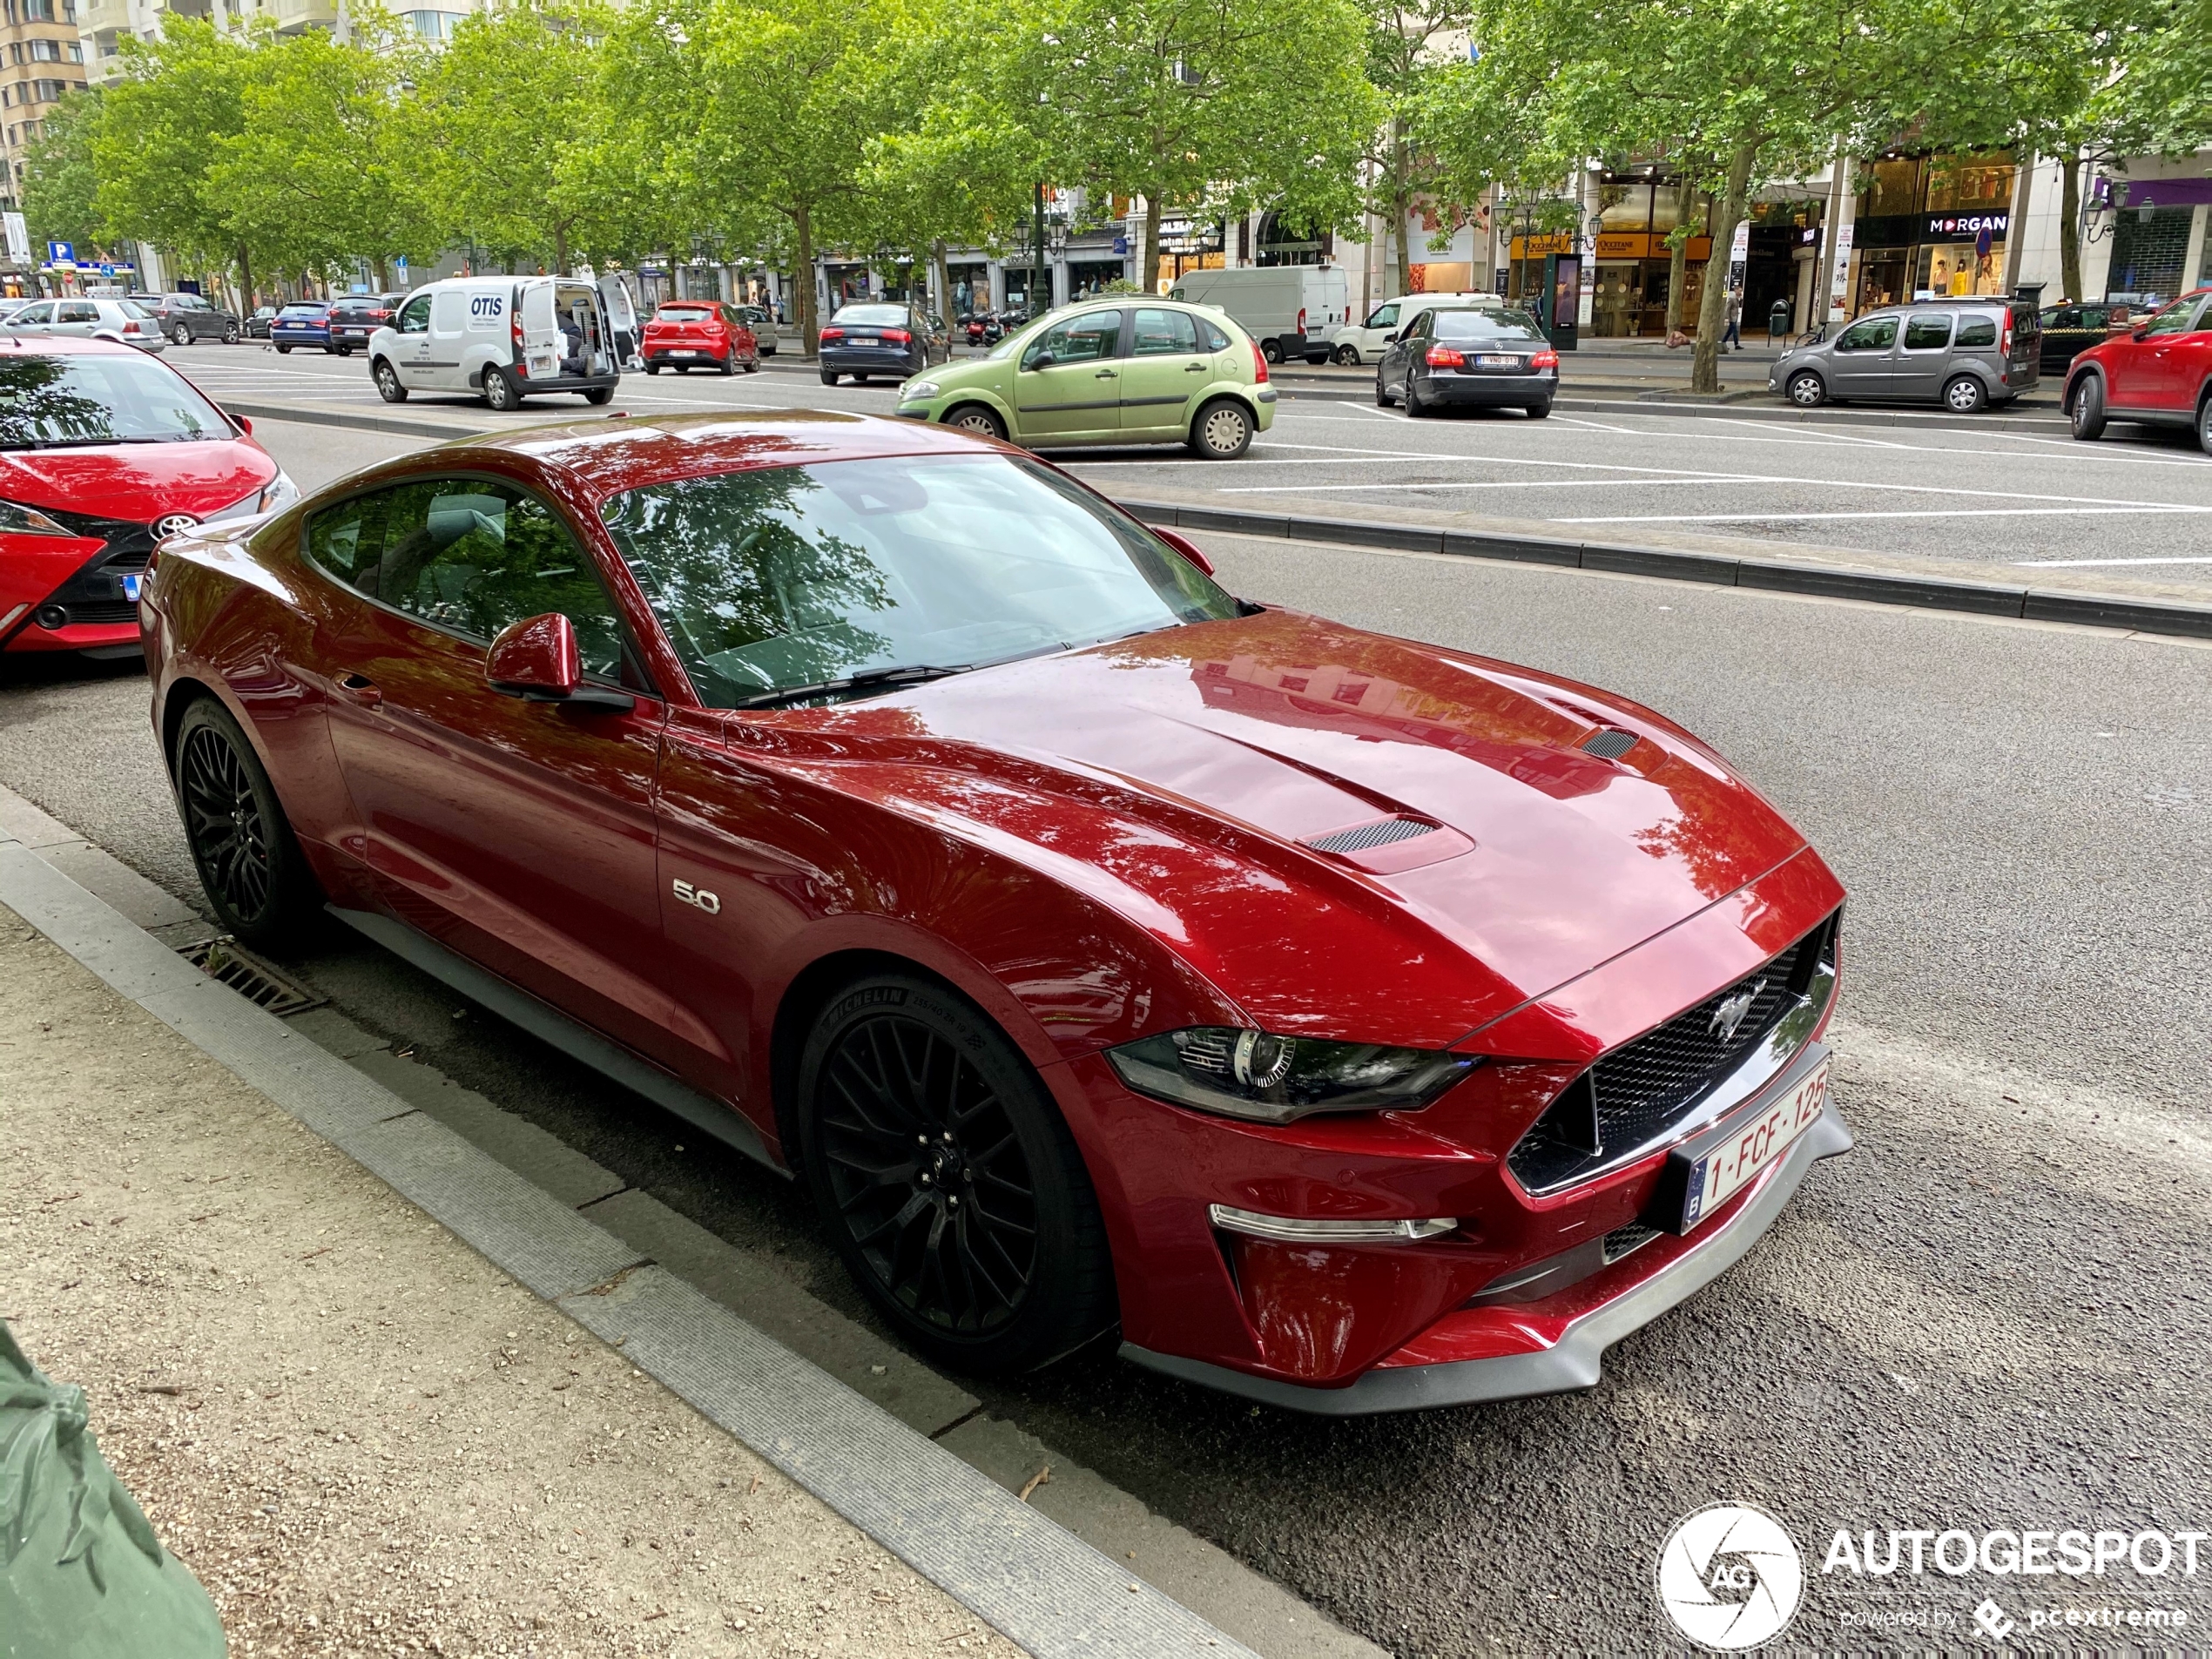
[949,1181]
[1540,411]
[1383,399]
[2204,425]
[249,864]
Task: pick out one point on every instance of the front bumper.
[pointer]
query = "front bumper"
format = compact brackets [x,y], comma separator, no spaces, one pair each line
[1556,1345]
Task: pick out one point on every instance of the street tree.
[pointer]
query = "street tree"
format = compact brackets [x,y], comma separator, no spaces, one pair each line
[61,184]
[494,120]
[1413,46]
[1219,105]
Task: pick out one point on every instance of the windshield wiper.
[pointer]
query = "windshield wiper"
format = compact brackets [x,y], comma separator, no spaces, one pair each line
[907,674]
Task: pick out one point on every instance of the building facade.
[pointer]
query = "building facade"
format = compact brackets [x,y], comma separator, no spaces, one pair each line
[42,60]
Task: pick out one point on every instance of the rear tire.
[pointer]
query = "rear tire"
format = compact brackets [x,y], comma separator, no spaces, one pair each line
[947,1180]
[1540,411]
[829,377]
[180,335]
[284,351]
[1272,351]
[752,367]
[599,394]
[250,864]
[1414,406]
[230,334]
[502,395]
[2204,425]
[387,381]
[730,365]
[1965,396]
[1222,430]
[652,368]
[973,417]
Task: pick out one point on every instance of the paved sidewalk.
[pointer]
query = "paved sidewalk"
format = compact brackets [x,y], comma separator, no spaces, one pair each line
[362,1436]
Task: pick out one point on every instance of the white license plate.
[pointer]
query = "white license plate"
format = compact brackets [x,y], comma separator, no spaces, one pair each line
[1758,1145]
[1491,360]
[683,354]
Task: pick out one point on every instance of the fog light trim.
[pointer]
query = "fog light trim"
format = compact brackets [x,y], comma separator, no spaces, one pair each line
[1299,1230]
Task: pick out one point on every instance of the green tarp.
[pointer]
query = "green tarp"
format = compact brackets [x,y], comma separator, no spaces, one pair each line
[82,1575]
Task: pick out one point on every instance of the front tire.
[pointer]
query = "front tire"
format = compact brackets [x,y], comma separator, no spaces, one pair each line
[1383,400]
[256,880]
[947,1180]
[973,417]
[1222,430]
[1348,355]
[1806,389]
[387,381]
[502,395]
[1965,396]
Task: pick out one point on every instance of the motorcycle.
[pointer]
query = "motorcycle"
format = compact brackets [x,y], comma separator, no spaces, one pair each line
[975,329]
[993,330]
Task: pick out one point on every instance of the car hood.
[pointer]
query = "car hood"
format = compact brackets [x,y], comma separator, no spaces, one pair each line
[1184,776]
[138,483]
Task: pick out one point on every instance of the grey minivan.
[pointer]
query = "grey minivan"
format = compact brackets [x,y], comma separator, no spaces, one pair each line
[1963,354]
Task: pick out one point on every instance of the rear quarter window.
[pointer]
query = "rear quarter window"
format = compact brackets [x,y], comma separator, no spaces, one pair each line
[1977,330]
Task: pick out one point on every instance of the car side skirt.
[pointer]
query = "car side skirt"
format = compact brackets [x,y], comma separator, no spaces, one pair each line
[579,1042]
[1574,1361]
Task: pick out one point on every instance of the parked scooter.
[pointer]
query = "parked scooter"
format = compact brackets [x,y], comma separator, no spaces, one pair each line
[975,324]
[994,330]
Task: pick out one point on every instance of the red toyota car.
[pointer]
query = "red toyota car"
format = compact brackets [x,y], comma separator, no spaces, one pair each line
[2158,372]
[104,450]
[685,334]
[1356,1024]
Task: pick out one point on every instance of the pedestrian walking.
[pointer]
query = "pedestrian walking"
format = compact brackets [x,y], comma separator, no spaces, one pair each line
[1735,334]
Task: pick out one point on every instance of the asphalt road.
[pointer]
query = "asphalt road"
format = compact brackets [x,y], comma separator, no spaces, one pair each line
[1993,1313]
[2023,499]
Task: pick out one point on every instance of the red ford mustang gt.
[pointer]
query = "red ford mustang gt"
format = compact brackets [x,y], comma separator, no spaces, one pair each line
[1359,1024]
[102,451]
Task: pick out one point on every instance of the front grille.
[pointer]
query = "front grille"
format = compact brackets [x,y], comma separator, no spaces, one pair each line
[1633,1096]
[93,593]
[1360,837]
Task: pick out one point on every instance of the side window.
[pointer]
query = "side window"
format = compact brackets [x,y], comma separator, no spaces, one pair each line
[80,311]
[414,315]
[1383,317]
[1165,333]
[473,555]
[43,312]
[1216,340]
[342,538]
[1928,334]
[1977,330]
[2174,319]
[1873,334]
[1087,338]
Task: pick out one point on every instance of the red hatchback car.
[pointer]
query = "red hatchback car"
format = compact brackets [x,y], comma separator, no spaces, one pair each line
[105,450]
[685,334]
[1358,1024]
[2159,372]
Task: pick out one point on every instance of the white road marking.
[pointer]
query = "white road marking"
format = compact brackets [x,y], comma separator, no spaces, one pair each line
[2049,565]
[1957,512]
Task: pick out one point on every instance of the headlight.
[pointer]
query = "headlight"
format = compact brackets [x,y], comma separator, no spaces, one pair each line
[280,494]
[1241,1073]
[920,388]
[273,496]
[27,521]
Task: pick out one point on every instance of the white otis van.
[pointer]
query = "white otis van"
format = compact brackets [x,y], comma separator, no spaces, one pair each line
[1290,309]
[504,338]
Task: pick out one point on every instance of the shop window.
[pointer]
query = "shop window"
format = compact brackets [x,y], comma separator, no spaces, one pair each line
[1971,184]
[2148,245]
[1896,188]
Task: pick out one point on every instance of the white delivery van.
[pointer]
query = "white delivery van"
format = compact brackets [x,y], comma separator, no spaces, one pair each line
[1365,342]
[504,338]
[1290,309]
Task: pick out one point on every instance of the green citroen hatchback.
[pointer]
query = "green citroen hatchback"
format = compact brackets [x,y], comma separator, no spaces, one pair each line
[1130,370]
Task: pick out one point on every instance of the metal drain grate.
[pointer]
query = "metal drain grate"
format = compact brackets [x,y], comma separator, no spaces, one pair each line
[1610,744]
[229,963]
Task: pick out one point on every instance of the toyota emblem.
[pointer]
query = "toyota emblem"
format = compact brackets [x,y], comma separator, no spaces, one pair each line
[172,524]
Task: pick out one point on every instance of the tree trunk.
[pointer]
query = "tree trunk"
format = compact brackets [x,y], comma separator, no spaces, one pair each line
[803,278]
[1147,270]
[940,285]
[383,274]
[1678,255]
[1712,305]
[560,250]
[244,283]
[2070,224]
[1401,201]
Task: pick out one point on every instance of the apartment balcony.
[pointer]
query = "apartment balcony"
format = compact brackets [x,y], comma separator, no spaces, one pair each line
[293,16]
[103,17]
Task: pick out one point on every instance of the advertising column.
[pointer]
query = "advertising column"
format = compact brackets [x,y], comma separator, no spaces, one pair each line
[1846,209]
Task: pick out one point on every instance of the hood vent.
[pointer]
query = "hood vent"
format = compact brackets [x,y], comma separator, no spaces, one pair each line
[1608,743]
[1360,837]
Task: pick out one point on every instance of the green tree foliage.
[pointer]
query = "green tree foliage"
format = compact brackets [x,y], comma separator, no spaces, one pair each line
[491,129]
[1407,64]
[1223,106]
[61,183]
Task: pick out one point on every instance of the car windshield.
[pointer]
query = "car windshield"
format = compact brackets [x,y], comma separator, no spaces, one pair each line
[60,401]
[1486,325]
[874,316]
[776,578]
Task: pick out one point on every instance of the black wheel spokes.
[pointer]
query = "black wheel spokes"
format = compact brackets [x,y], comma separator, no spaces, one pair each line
[223,822]
[928,1174]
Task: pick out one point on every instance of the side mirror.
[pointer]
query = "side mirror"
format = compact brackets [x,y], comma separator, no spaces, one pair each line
[242,422]
[1184,545]
[537,659]
[2138,334]
[1038,360]
[1391,339]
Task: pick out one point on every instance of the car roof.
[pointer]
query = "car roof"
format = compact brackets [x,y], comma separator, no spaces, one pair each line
[604,455]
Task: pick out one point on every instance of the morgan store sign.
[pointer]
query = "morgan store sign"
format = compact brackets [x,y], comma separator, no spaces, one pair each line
[1905,230]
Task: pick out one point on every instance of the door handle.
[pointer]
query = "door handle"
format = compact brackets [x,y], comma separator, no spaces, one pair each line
[1195,368]
[359,688]
[1104,375]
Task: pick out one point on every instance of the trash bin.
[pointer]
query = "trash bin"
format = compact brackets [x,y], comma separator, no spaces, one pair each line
[1777,321]
[82,1575]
